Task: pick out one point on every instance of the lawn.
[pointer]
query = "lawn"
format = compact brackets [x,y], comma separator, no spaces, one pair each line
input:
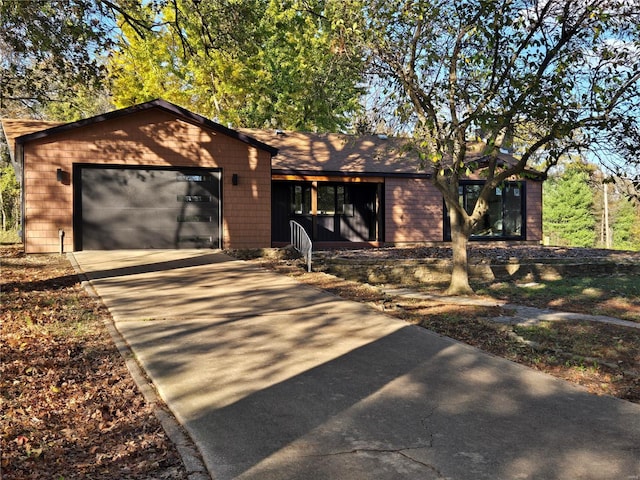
[616,296]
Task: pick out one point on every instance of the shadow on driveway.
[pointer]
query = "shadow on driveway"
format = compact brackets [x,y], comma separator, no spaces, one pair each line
[274,379]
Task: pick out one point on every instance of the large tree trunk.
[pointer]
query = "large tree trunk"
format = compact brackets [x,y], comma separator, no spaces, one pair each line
[459,241]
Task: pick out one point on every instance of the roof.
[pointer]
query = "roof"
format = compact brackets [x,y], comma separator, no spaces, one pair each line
[331,152]
[309,153]
[183,113]
[297,152]
[14,128]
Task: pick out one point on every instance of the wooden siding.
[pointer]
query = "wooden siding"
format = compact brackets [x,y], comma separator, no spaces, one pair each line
[149,138]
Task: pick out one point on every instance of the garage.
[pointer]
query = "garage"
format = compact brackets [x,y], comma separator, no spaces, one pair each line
[152,175]
[121,207]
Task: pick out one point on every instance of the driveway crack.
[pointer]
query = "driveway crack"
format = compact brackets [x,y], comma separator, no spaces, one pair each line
[425,424]
[397,451]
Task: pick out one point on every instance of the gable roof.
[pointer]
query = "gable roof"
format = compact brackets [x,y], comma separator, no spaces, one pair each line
[14,128]
[183,113]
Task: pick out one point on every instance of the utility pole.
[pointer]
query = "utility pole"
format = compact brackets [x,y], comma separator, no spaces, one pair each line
[607,233]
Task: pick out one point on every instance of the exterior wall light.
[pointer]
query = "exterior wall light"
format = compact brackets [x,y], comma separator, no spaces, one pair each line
[234,179]
[60,175]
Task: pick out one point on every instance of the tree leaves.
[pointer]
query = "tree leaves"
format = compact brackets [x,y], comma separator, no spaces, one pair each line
[568,204]
[48,48]
[68,405]
[263,63]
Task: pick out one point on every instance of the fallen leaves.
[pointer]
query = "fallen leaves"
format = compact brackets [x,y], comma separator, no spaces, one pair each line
[68,406]
[613,370]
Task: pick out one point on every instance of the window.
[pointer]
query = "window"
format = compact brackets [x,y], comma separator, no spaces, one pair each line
[505,217]
[332,199]
[326,200]
[301,199]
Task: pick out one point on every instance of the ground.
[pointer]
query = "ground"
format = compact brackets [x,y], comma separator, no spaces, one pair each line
[603,358]
[70,410]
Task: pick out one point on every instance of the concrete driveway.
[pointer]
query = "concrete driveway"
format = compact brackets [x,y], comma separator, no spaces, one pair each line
[277,380]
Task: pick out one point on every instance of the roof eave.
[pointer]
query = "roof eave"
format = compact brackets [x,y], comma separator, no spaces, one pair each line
[157,104]
[338,173]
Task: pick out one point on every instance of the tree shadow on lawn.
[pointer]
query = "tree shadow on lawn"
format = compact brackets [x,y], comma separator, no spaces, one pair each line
[615,296]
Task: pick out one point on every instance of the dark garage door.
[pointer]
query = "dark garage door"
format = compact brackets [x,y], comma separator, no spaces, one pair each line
[119,208]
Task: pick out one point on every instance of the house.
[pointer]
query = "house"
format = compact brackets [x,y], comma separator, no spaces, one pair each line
[158,176]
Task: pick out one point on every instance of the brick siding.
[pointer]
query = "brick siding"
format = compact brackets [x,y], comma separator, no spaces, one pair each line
[413,211]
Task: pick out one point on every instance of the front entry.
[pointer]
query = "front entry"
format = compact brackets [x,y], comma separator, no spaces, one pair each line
[329,211]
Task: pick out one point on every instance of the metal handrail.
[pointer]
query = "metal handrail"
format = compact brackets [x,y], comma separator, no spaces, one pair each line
[301,242]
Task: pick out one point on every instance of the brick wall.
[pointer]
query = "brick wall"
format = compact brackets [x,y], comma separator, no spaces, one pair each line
[534,211]
[413,211]
[147,138]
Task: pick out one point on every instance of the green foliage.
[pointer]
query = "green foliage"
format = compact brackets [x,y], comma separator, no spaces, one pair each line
[568,209]
[9,198]
[147,67]
[626,226]
[48,49]
[85,101]
[255,64]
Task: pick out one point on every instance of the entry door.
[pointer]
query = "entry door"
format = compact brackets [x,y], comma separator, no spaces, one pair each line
[344,211]
[140,208]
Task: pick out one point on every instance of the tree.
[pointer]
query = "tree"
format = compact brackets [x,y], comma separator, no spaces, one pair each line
[626,225]
[568,217]
[52,54]
[145,66]
[47,50]
[9,190]
[458,70]
[255,63]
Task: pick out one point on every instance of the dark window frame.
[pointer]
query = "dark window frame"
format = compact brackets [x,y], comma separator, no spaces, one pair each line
[463,197]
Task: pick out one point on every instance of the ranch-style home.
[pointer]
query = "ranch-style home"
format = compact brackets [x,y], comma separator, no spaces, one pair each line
[158,176]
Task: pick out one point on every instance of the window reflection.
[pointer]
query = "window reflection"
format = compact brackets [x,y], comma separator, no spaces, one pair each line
[504,217]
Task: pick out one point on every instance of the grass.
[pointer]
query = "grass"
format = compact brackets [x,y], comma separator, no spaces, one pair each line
[615,296]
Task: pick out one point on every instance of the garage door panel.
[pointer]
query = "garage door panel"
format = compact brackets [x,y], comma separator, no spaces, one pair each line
[146,239]
[149,208]
[132,188]
[125,189]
